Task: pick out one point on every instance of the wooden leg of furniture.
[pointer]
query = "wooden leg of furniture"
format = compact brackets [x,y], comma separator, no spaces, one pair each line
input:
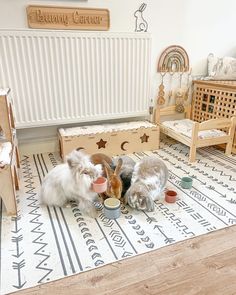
[16,179]
[192,153]
[193,147]
[229,145]
[17,157]
[228,148]
[7,190]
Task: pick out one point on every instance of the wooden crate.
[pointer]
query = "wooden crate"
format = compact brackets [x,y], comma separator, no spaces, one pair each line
[214,99]
[6,115]
[10,183]
[9,173]
[109,138]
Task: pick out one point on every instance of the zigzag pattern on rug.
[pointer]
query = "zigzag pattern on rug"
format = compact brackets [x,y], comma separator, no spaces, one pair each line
[43,244]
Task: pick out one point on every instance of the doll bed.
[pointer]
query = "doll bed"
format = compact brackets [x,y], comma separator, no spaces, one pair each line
[195,134]
[206,121]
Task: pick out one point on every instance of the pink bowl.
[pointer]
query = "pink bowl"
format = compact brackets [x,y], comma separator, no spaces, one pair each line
[100,185]
[170,196]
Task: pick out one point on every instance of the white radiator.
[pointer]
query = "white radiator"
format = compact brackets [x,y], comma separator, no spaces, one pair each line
[60,77]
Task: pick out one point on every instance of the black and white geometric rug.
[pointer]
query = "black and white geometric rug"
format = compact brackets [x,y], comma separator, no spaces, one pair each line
[43,244]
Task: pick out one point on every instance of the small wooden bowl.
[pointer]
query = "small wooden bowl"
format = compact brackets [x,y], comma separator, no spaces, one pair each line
[100,185]
[170,196]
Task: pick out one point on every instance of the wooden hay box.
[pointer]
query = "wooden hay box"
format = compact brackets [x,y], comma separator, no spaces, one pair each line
[111,139]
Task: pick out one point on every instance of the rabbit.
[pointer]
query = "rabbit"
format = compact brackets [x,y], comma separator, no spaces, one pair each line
[148,181]
[111,172]
[99,158]
[72,181]
[141,24]
[126,172]
[115,186]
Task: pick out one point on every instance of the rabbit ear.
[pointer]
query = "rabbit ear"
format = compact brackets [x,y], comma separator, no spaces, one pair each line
[108,169]
[74,165]
[142,7]
[118,167]
[70,163]
[71,159]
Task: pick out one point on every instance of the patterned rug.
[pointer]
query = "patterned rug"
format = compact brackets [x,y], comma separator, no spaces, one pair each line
[43,244]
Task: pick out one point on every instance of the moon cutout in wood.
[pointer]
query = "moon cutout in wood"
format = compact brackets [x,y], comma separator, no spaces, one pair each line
[80,148]
[122,145]
[173,59]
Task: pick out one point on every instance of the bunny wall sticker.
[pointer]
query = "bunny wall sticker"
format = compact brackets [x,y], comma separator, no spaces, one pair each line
[140,24]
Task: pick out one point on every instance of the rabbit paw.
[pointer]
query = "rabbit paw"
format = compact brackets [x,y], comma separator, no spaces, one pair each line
[92,212]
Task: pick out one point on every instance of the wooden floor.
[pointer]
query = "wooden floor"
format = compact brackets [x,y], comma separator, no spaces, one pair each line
[202,265]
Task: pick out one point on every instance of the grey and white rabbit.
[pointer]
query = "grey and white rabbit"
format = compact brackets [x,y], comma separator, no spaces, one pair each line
[141,24]
[126,171]
[148,181]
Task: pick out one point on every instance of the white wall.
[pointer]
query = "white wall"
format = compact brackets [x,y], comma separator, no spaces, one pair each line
[201,26]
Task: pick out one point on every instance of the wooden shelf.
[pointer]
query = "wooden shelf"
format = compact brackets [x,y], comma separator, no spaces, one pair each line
[9,173]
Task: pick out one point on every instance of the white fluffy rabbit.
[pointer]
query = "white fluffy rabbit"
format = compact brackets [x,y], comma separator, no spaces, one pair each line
[72,181]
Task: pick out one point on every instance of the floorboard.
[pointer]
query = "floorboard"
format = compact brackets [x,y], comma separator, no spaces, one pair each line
[202,265]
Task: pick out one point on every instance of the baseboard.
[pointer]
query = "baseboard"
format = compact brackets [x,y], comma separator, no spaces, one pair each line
[29,147]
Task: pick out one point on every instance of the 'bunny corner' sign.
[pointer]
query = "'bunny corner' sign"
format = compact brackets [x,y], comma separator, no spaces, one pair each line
[140,23]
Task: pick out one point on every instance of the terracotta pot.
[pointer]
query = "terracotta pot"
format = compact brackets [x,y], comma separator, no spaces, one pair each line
[170,196]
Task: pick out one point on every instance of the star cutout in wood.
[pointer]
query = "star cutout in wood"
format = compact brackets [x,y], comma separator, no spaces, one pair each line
[101,144]
[144,138]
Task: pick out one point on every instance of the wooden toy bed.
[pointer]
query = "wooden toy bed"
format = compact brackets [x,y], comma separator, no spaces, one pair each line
[210,120]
